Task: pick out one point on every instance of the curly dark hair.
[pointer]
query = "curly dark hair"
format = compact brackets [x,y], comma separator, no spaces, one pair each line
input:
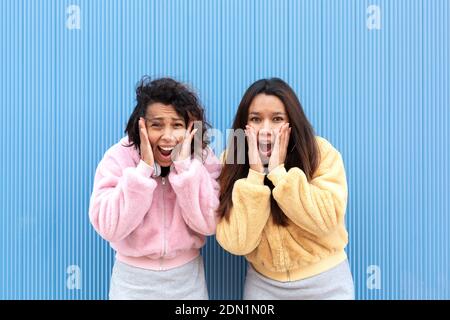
[169,92]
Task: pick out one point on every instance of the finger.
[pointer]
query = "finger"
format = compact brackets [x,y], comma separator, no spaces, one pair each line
[187,133]
[142,130]
[285,132]
[145,147]
[277,132]
[247,136]
[190,135]
[249,132]
[289,134]
[285,143]
[283,128]
[275,149]
[140,124]
[288,131]
[193,133]
[285,138]
[278,143]
[254,135]
[278,135]
[190,125]
[251,141]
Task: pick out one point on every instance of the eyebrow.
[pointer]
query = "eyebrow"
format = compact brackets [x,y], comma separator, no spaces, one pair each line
[275,113]
[162,118]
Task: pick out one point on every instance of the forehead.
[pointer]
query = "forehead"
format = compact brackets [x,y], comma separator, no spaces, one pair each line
[163,111]
[264,103]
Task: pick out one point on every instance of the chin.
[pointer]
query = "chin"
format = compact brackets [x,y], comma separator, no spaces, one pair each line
[164,163]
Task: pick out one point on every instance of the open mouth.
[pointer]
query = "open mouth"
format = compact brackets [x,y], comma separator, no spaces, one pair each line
[165,152]
[265,148]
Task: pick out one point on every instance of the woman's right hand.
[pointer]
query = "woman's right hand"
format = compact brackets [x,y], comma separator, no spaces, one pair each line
[145,146]
[253,153]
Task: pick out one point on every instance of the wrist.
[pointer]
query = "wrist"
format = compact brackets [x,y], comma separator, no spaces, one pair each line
[255,177]
[145,169]
[271,167]
[277,174]
[257,168]
[150,162]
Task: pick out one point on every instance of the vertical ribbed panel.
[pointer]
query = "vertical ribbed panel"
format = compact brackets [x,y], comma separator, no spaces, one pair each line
[380,96]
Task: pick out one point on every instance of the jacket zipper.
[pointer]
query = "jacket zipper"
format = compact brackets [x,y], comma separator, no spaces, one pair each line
[164,222]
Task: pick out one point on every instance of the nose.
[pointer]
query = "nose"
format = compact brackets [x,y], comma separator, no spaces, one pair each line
[168,135]
[265,130]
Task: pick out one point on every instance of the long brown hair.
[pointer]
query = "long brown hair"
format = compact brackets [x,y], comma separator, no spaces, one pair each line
[302,151]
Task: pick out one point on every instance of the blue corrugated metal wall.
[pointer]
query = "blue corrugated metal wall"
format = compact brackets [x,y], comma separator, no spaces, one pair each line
[380,95]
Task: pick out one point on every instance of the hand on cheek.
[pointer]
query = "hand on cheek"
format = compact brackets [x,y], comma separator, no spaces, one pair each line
[183,149]
[279,150]
[145,146]
[253,152]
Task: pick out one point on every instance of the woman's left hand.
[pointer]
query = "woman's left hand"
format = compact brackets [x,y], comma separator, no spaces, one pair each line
[183,150]
[279,150]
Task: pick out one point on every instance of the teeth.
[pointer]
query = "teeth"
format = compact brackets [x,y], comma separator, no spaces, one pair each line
[167,148]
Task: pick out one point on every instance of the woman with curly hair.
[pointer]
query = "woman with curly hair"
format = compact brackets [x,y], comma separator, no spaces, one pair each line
[155,195]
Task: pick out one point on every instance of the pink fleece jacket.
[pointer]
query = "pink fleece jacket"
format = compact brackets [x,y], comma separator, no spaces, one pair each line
[154,223]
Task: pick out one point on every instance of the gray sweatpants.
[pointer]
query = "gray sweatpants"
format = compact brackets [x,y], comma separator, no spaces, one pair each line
[186,282]
[333,284]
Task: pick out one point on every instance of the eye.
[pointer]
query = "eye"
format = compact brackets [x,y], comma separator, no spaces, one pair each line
[155,125]
[254,119]
[278,119]
[178,125]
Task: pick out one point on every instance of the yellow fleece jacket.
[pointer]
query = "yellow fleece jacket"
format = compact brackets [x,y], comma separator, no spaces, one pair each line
[315,237]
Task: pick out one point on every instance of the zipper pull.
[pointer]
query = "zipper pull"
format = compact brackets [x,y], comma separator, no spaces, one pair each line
[163,180]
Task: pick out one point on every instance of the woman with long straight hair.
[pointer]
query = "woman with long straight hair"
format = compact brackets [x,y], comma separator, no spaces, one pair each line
[283,197]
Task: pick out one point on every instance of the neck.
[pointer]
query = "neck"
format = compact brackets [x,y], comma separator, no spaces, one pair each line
[165,171]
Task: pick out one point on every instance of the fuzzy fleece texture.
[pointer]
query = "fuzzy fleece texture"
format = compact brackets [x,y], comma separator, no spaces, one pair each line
[154,223]
[315,237]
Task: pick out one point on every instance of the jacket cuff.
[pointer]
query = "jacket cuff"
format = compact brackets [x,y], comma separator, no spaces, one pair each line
[277,174]
[144,169]
[182,165]
[255,177]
